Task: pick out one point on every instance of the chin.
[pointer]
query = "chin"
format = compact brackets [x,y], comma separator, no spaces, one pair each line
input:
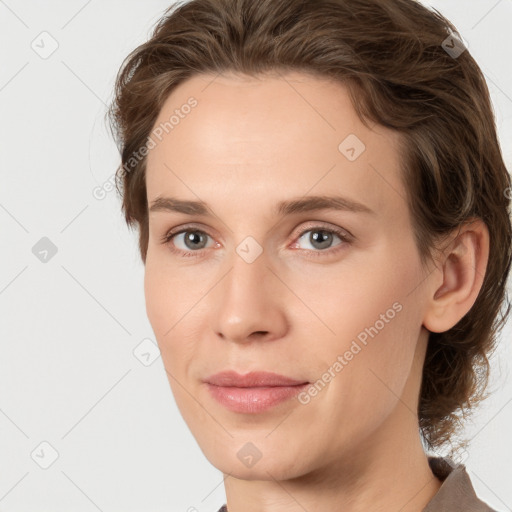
[246,463]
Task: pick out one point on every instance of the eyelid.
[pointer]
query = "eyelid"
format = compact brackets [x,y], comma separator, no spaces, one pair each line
[328,227]
[180,229]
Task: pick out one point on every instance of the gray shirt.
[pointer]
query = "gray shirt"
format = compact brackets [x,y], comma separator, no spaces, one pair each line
[456,493]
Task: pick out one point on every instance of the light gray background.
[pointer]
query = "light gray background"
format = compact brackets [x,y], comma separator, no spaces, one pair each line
[69,326]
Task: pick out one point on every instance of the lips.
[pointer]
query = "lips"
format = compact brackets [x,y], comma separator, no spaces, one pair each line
[254,392]
[254,379]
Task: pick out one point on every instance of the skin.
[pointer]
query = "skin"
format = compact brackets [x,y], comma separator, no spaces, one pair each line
[248,144]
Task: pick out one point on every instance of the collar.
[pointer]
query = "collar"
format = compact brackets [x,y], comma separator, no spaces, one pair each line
[456,493]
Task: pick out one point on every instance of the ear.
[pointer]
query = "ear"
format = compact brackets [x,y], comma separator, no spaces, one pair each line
[458,277]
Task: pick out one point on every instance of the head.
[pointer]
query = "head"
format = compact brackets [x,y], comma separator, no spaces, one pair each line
[252,108]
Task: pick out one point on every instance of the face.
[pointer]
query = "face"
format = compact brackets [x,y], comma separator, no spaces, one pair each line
[327,294]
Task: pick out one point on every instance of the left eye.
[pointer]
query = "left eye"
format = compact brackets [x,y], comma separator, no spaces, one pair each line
[321,238]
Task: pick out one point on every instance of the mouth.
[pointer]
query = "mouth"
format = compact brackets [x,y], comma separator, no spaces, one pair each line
[254,392]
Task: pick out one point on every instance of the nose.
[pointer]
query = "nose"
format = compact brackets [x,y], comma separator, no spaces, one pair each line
[249,302]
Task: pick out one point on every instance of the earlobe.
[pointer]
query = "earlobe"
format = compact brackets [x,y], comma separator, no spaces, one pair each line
[461,270]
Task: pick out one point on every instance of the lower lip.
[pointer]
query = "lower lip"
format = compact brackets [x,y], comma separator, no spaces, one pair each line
[253,400]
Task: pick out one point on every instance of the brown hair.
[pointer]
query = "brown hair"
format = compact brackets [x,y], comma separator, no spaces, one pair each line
[391,56]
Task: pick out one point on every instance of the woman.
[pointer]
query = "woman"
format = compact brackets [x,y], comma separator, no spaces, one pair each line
[337,165]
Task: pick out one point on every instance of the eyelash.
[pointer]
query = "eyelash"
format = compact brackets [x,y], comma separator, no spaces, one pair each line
[345,238]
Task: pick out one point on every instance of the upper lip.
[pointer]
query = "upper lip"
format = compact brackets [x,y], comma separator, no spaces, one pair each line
[251,379]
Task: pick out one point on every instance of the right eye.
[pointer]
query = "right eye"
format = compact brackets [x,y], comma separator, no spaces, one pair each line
[193,241]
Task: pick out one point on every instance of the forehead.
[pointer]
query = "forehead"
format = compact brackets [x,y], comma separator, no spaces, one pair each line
[268,138]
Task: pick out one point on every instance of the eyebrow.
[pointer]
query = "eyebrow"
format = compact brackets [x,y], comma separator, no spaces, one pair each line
[283,208]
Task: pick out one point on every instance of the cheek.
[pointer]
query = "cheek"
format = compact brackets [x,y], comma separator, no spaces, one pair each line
[343,305]
[167,294]
[173,311]
[165,298]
